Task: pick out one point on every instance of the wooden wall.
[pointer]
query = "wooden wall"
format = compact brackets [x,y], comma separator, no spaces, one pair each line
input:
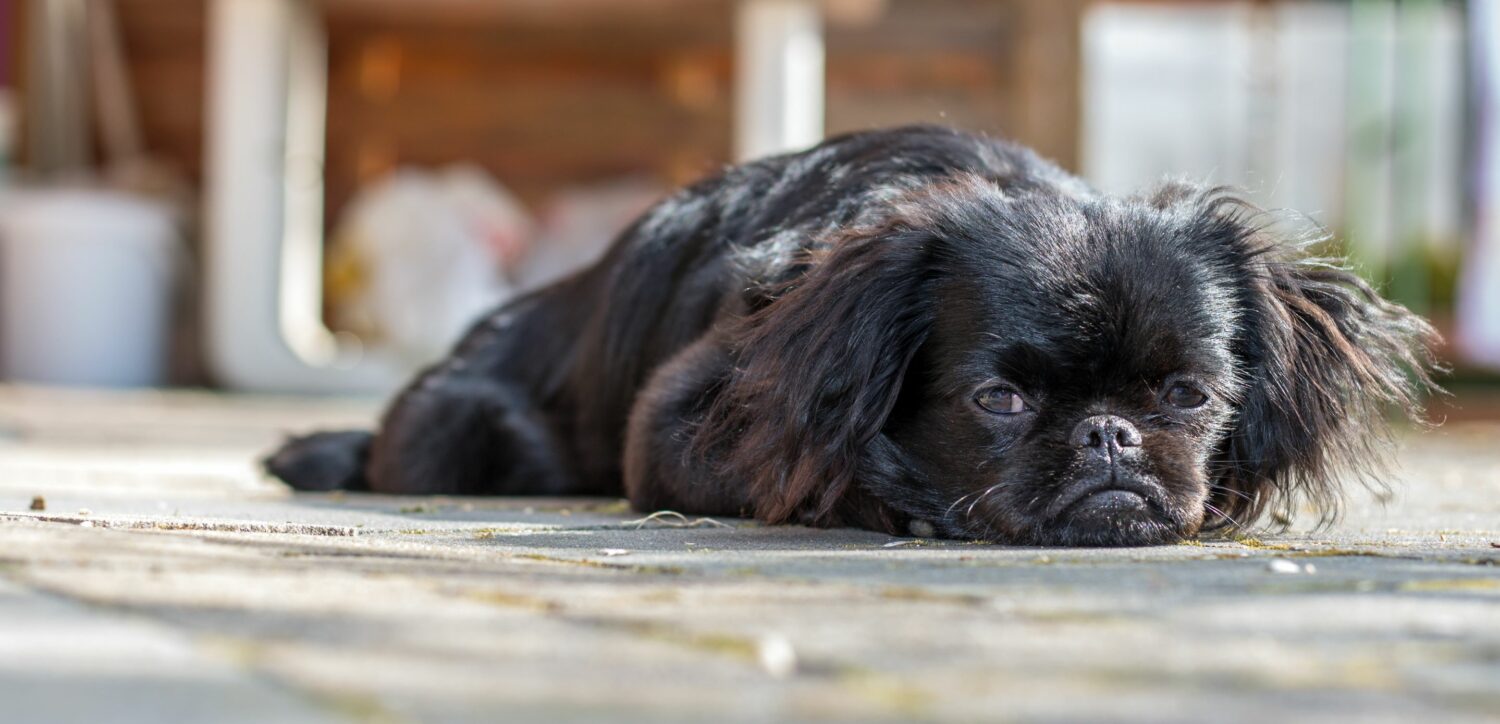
[545,97]
[541,101]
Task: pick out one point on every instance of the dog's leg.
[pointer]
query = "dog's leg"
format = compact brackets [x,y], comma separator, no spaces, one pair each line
[490,419]
[448,433]
[665,470]
[322,461]
[662,472]
[465,434]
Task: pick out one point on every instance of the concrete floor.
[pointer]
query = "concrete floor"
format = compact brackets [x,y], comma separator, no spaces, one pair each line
[167,581]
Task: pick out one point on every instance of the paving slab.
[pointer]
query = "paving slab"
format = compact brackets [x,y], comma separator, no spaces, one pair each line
[167,580]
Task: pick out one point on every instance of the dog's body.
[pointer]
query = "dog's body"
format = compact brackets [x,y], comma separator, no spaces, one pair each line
[914,324]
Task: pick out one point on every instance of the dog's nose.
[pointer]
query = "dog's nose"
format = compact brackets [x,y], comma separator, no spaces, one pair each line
[1106,435]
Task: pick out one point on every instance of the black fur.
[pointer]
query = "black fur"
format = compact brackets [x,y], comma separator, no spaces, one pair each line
[916,324]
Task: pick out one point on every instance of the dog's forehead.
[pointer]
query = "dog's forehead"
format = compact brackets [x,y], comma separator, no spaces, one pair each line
[1107,290]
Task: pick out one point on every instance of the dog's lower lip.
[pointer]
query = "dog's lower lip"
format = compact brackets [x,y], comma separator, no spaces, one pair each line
[1115,498]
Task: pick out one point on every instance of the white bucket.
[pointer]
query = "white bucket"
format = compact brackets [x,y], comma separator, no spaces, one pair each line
[86,286]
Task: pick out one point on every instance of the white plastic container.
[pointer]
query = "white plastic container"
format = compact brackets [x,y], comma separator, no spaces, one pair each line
[86,286]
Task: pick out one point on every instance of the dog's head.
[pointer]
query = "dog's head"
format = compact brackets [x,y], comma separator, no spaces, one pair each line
[1050,369]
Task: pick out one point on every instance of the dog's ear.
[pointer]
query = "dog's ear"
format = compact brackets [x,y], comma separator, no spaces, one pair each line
[817,372]
[1325,359]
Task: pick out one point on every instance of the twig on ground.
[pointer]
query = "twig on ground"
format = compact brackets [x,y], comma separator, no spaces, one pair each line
[674,519]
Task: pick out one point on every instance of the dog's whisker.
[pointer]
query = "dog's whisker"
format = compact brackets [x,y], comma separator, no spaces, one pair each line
[970,512]
[1210,507]
[1232,491]
[947,514]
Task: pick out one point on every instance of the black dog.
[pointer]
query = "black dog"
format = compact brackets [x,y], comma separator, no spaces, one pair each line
[913,328]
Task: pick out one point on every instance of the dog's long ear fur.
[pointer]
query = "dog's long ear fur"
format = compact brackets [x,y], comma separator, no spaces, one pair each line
[817,372]
[1325,360]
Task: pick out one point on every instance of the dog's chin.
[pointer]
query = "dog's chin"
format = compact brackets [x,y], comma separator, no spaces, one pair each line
[1108,518]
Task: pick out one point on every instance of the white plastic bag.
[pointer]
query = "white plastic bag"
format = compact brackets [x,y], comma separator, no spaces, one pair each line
[418,256]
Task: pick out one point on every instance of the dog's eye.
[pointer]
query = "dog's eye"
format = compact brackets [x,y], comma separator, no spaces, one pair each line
[1001,401]
[1185,396]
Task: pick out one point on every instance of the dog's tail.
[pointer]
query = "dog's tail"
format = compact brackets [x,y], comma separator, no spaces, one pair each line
[323,461]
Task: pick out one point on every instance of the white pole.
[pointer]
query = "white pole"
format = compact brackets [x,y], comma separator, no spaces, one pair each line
[263,188]
[1478,313]
[779,77]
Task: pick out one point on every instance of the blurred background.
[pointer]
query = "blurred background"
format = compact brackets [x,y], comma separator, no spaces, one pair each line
[314,196]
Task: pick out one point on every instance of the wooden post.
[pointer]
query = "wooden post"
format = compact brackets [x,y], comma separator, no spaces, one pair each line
[1048,77]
